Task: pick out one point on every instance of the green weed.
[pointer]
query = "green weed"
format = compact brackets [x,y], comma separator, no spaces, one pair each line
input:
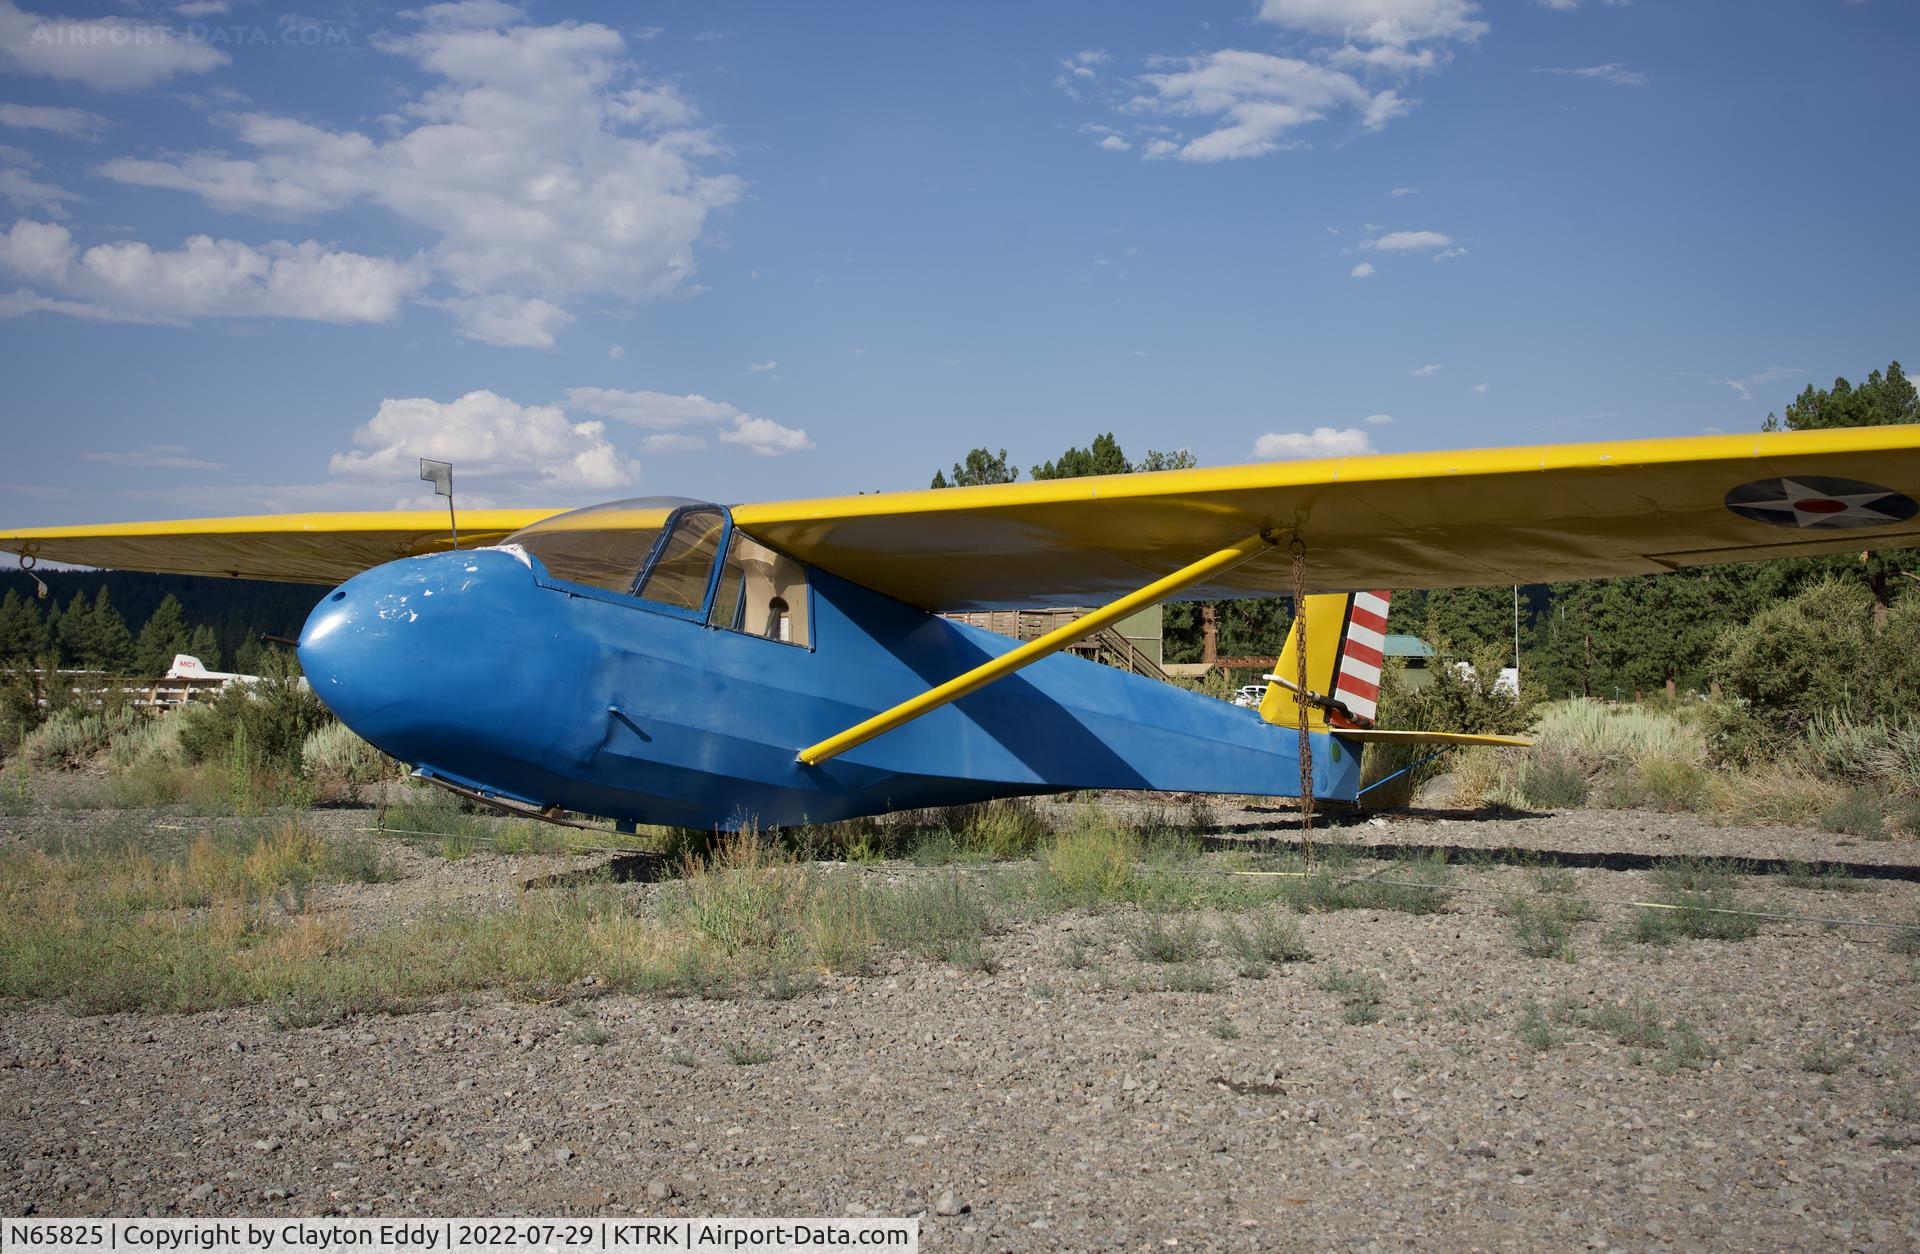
[1860,812]
[1159,939]
[1640,1023]
[1536,1030]
[1543,926]
[745,1053]
[1273,939]
[1360,992]
[1827,879]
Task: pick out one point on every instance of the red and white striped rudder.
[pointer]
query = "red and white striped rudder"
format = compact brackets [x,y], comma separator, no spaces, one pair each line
[1363,642]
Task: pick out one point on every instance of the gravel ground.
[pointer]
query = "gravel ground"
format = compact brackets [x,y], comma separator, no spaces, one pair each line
[1061,1102]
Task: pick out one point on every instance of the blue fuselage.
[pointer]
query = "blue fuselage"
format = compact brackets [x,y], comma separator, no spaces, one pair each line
[476,668]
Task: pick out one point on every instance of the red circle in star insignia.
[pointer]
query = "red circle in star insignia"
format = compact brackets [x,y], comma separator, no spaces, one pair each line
[1820,505]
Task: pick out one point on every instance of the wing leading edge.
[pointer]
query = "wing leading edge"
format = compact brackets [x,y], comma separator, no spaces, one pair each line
[286,548]
[1402,520]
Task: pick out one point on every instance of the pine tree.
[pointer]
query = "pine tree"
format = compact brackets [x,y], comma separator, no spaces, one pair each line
[205,645]
[1103,457]
[70,636]
[980,467]
[249,657]
[1468,620]
[110,642]
[23,637]
[164,635]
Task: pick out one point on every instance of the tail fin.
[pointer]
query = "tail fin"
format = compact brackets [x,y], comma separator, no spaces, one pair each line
[1346,639]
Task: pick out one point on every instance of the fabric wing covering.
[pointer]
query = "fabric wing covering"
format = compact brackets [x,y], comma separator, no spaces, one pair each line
[1403,520]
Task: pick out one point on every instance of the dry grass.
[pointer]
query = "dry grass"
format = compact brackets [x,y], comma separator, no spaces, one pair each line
[113,927]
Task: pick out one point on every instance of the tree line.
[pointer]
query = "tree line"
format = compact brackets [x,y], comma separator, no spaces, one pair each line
[1615,638]
[86,621]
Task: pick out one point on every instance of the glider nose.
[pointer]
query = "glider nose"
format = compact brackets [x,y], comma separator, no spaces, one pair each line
[401,652]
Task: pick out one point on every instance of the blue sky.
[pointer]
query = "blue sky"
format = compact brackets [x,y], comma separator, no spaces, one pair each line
[255,262]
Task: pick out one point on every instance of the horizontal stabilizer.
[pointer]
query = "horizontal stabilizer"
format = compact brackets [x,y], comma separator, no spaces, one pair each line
[1376,736]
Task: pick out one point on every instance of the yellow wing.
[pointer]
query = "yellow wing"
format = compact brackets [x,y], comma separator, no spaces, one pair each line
[1403,520]
[289,548]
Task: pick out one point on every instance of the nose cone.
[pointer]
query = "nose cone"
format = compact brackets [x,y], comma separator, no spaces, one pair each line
[412,655]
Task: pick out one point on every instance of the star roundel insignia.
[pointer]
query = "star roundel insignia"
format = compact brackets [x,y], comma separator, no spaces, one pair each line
[1820,503]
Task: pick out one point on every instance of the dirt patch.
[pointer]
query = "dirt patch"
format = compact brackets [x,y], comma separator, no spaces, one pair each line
[1075,1094]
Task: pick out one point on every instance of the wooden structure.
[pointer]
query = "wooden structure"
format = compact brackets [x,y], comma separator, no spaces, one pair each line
[1115,646]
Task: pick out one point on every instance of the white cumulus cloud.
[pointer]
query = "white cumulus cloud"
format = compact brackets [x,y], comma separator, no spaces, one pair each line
[1320,442]
[1362,271]
[765,437]
[486,434]
[1398,22]
[1396,36]
[131,281]
[73,123]
[545,167]
[22,189]
[1379,420]
[1253,100]
[1407,241]
[660,411]
[104,53]
[682,415]
[509,321]
[1427,371]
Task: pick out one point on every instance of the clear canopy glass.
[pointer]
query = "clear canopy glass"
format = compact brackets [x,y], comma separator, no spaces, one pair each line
[602,546]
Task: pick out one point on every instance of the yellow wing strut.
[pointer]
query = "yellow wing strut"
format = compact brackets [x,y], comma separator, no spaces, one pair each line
[1032,651]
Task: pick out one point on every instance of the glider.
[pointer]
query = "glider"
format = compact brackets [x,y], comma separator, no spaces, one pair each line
[688,663]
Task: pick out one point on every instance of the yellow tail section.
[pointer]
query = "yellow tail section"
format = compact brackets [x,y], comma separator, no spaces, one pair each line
[1346,639]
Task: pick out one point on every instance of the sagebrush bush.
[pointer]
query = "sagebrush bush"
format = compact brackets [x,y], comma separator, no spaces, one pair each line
[340,764]
[73,736]
[149,740]
[1553,780]
[1597,735]
[1659,783]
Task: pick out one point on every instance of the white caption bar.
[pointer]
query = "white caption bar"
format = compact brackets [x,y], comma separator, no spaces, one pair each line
[454,1236]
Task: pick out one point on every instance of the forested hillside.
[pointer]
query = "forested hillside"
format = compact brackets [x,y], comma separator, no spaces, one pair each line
[130,623]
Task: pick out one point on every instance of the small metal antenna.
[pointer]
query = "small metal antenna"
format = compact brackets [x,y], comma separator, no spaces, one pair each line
[440,475]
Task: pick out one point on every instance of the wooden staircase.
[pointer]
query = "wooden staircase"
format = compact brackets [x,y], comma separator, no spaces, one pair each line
[1108,647]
